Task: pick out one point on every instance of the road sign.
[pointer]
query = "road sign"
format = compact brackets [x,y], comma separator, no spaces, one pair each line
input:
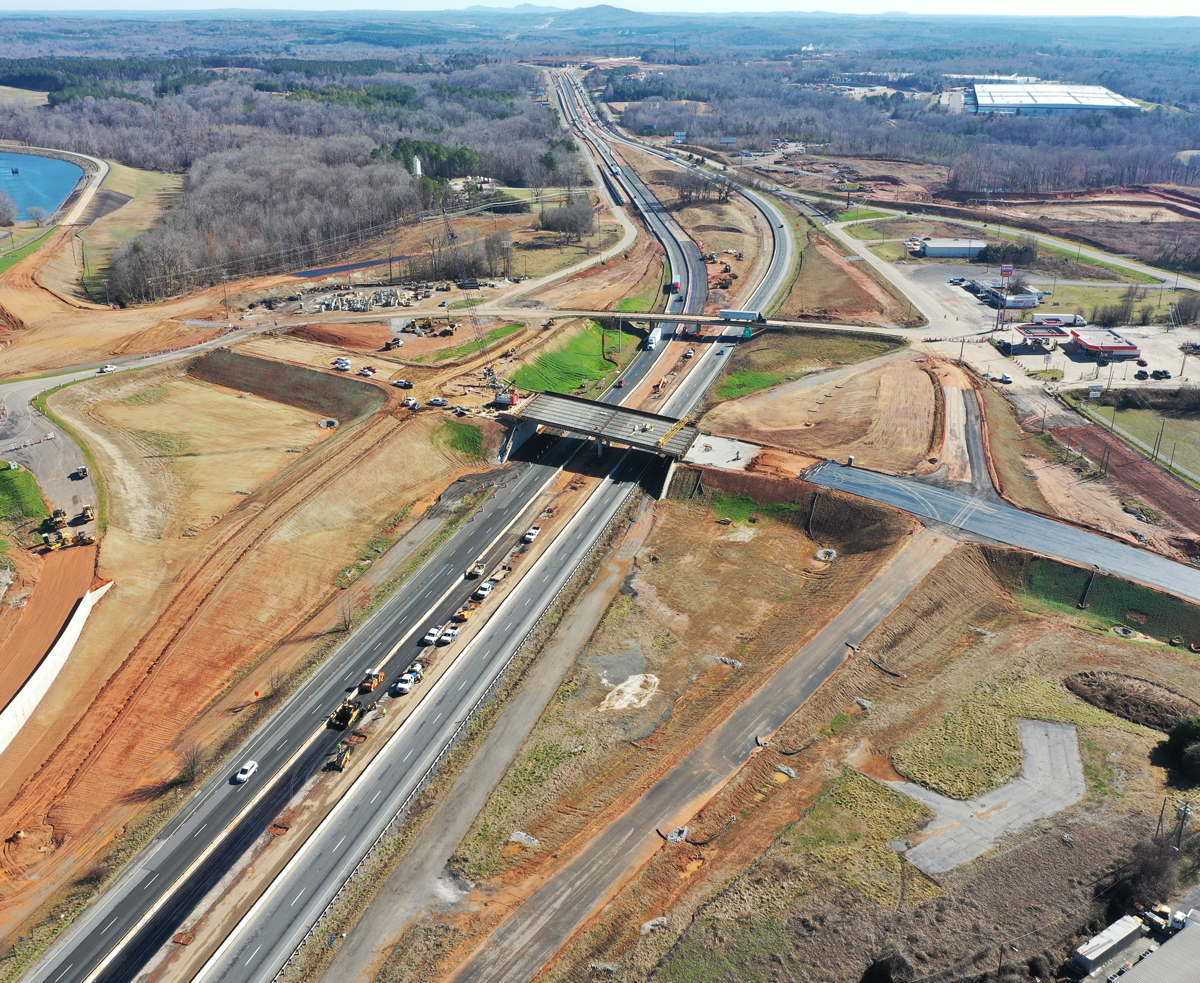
[1006,271]
[1047,358]
[746,332]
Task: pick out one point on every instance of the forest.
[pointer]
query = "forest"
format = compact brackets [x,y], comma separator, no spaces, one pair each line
[298,133]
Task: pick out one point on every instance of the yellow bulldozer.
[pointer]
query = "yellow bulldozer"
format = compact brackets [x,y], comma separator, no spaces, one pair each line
[89,513]
[58,518]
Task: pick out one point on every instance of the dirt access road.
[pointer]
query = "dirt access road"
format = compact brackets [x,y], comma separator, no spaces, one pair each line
[531,937]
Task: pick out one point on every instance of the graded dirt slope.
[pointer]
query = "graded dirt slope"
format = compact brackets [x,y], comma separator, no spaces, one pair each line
[65,577]
[367,337]
[885,416]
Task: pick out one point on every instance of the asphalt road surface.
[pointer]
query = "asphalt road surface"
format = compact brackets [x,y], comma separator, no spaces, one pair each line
[1004,524]
[133,919]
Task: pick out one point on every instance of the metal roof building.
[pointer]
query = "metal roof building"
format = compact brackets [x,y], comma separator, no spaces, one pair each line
[1174,962]
[1046,98]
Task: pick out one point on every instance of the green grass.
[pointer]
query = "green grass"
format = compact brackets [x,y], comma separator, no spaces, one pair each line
[564,368]
[890,251]
[1066,253]
[466,438]
[1180,437]
[469,302]
[742,382]
[1113,601]
[20,496]
[1050,375]
[775,357]
[862,214]
[741,507]
[8,260]
[651,299]
[471,347]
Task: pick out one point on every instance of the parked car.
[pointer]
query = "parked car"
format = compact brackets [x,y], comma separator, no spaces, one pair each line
[1157,374]
[532,534]
[431,636]
[1141,374]
[438,401]
[1166,373]
[402,384]
[484,589]
[248,769]
[404,685]
[690,353]
[1142,362]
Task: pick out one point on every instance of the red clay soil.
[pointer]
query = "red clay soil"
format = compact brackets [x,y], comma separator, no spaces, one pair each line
[66,576]
[1146,481]
[364,337]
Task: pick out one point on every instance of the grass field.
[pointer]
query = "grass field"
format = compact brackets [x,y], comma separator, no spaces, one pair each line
[891,251]
[1180,437]
[742,507]
[25,98]
[975,747]
[775,356]
[469,302]
[20,496]
[12,258]
[1073,300]
[151,192]
[651,299]
[1068,255]
[461,351]
[586,363]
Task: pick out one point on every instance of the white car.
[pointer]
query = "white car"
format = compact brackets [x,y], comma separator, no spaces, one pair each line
[448,636]
[402,384]
[248,769]
[106,370]
[431,636]
[404,685]
[484,590]
[690,353]
[438,401]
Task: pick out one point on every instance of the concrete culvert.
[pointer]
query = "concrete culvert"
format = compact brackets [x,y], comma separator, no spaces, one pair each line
[328,423]
[1124,632]
[826,555]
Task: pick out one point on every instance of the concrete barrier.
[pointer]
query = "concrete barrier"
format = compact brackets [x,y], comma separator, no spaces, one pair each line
[20,708]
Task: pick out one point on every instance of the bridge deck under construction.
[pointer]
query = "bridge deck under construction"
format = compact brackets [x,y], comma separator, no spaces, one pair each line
[588,418]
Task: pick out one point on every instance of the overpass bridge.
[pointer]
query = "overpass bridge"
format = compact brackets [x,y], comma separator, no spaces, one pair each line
[607,423]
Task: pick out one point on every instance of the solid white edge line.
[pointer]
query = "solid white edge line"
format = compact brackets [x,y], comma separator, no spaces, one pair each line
[379,759]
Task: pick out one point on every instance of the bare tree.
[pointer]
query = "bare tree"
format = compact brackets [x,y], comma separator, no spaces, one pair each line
[191,757]
[36,215]
[8,210]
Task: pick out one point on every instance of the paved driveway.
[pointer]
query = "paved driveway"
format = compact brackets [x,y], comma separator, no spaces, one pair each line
[961,831]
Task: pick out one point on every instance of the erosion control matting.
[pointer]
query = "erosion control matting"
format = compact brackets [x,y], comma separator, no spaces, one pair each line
[329,395]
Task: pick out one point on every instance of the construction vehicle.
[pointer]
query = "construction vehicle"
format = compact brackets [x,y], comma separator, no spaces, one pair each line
[346,715]
[391,344]
[89,513]
[370,681]
[464,614]
[476,569]
[342,758]
[58,518]
[661,384]
[85,538]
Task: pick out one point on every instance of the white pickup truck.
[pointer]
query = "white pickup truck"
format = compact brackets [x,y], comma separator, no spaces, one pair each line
[531,535]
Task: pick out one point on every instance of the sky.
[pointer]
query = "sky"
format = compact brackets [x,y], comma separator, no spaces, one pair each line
[1026,8]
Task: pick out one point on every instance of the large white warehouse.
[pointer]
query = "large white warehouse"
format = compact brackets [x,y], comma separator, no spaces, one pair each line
[1046,98]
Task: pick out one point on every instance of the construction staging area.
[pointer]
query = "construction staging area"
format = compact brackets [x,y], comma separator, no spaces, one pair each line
[554,647]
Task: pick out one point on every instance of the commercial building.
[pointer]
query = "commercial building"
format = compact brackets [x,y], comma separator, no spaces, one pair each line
[1044,99]
[995,293]
[969,248]
[1099,949]
[1103,343]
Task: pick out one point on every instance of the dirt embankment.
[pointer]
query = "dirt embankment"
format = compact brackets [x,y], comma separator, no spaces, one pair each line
[364,337]
[344,399]
[193,611]
[807,884]
[886,416]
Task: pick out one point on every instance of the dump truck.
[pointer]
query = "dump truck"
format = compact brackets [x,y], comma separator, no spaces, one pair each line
[58,518]
[342,758]
[346,715]
[89,513]
[370,681]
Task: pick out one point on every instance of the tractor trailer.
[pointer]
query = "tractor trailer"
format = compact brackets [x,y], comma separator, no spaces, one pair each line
[653,339]
[754,316]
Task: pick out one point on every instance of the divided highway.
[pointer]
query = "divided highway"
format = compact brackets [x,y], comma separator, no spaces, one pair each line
[128,925]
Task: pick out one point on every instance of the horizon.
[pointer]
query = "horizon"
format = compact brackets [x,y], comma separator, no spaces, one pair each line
[917,8]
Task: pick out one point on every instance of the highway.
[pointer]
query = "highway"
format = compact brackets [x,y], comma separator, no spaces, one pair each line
[133,919]
[1000,523]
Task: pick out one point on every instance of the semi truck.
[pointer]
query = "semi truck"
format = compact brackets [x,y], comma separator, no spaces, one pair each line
[753,316]
[653,339]
[675,286]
